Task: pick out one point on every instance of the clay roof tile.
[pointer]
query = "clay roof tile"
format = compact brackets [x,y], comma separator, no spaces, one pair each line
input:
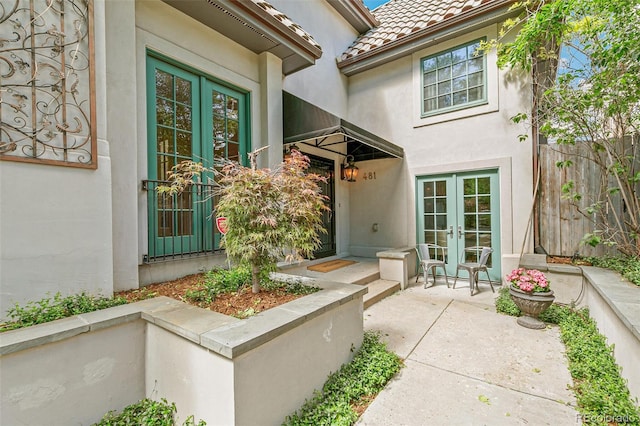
[400,18]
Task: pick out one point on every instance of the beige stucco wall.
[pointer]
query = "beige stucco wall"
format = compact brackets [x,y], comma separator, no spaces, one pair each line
[471,139]
[378,207]
[321,84]
[121,128]
[199,381]
[55,221]
[626,346]
[76,380]
[326,87]
[277,377]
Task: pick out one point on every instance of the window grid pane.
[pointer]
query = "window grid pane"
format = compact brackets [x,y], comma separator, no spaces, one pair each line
[226,126]
[453,78]
[434,194]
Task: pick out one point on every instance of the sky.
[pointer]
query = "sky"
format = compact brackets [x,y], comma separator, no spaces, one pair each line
[372,4]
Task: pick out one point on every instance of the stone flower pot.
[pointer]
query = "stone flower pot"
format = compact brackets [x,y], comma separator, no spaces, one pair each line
[531,305]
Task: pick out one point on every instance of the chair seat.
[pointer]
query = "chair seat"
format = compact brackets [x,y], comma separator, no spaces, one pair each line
[470,265]
[427,263]
[474,268]
[433,262]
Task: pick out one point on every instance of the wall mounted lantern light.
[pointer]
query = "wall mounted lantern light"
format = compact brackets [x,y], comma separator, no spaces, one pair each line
[348,170]
[288,150]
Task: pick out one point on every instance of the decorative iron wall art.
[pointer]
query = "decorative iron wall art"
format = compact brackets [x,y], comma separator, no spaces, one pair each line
[47,94]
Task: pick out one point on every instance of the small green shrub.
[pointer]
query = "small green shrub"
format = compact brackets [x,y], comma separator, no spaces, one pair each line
[148,413]
[290,287]
[51,309]
[220,281]
[298,287]
[505,305]
[554,314]
[245,313]
[203,296]
[356,382]
[628,267]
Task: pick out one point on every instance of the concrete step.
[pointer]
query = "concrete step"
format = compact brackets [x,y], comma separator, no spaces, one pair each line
[366,279]
[364,271]
[378,290]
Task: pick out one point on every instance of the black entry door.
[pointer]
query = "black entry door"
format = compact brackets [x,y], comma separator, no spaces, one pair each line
[324,167]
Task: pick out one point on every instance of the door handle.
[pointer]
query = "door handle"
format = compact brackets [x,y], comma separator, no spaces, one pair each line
[450,231]
[460,233]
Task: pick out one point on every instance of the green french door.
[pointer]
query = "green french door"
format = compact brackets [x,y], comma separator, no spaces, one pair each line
[460,210]
[190,117]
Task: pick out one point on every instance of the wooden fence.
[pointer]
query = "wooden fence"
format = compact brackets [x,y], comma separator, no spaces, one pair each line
[562,226]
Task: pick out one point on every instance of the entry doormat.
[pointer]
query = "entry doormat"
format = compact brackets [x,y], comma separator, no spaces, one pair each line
[331,265]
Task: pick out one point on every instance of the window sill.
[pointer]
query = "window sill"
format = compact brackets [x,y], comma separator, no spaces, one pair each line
[457,114]
[450,110]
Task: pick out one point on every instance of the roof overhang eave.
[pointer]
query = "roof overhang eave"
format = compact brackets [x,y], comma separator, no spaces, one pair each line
[477,18]
[356,13]
[275,29]
[261,31]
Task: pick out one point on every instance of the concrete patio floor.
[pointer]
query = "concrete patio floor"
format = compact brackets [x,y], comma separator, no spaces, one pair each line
[465,364]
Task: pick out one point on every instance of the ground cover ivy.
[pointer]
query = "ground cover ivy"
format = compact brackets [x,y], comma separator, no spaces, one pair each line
[56,307]
[223,281]
[628,267]
[601,393]
[354,385]
[147,412]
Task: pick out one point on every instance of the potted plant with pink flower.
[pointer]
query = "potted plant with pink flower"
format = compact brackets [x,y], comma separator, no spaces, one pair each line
[530,291]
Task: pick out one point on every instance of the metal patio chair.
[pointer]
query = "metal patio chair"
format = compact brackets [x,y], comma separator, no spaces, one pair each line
[426,262]
[474,268]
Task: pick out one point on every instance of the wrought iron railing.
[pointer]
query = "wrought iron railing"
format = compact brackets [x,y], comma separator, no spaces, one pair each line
[180,225]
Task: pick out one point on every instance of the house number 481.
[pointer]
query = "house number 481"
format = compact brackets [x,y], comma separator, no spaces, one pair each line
[369,176]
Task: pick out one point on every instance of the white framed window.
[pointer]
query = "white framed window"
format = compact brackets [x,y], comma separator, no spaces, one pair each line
[453,79]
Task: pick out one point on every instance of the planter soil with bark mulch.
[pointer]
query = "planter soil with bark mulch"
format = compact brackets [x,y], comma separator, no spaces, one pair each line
[236,304]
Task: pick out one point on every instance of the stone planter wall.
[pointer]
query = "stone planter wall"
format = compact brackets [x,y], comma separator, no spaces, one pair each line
[74,370]
[614,304]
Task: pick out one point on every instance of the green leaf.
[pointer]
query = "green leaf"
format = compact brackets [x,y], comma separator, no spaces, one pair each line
[484,399]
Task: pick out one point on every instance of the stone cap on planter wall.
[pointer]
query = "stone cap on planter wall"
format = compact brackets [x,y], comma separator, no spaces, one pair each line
[622,296]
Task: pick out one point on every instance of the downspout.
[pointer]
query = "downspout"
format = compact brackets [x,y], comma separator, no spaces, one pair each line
[543,76]
[535,152]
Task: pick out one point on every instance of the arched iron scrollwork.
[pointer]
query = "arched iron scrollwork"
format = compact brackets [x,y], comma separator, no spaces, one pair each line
[47,93]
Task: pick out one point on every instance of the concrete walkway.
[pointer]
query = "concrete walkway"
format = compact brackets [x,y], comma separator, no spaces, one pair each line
[465,364]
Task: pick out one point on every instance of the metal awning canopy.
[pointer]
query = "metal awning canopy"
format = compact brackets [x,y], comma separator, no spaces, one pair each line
[305,123]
